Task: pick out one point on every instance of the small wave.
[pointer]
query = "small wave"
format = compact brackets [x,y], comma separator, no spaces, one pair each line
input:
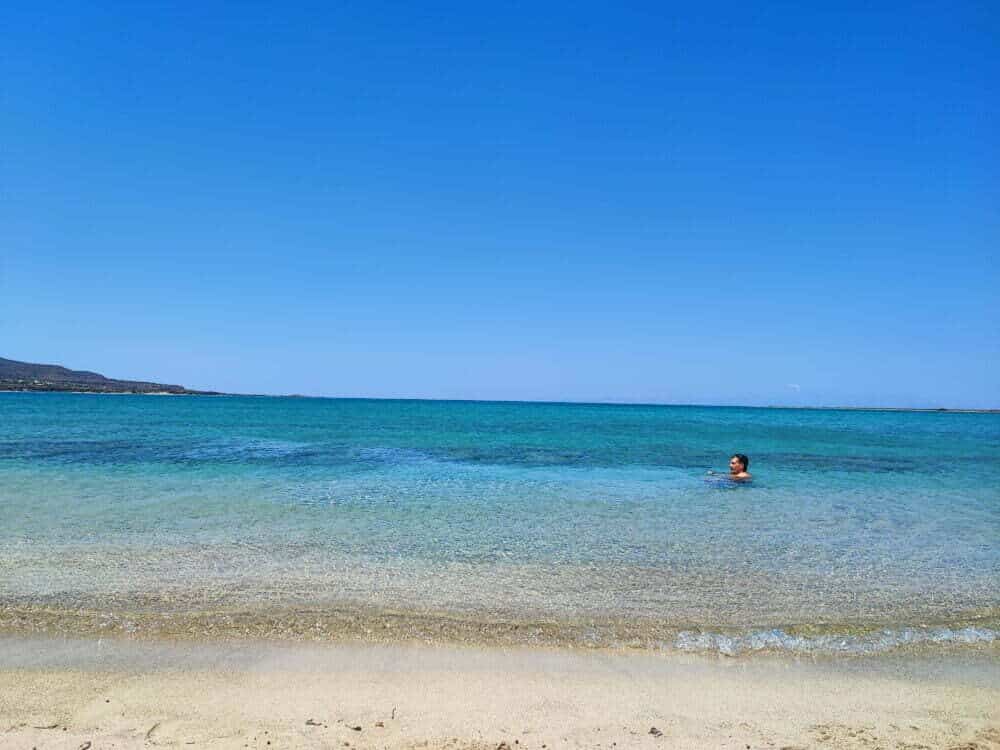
[779,640]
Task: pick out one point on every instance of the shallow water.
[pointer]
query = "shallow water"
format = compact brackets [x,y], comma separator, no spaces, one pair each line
[861,530]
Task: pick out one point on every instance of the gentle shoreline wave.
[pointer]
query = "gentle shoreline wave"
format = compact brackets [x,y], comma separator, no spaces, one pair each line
[366,624]
[874,643]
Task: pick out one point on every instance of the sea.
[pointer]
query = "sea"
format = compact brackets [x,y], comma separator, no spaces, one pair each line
[583,525]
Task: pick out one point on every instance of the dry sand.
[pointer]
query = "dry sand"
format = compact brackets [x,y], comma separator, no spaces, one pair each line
[127,694]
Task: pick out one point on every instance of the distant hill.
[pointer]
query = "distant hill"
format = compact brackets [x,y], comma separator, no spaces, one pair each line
[26,376]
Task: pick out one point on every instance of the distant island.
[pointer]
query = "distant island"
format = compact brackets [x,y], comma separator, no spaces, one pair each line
[27,376]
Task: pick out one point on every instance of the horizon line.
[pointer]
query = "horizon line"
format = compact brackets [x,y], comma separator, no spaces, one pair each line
[969,410]
[921,409]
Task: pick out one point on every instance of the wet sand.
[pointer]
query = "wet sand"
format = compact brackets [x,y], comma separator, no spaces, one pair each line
[117,693]
[152,619]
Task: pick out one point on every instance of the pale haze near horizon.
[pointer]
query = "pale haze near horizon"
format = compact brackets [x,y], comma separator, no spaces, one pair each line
[741,207]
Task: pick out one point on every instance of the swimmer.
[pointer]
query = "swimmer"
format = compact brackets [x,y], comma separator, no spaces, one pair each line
[738,465]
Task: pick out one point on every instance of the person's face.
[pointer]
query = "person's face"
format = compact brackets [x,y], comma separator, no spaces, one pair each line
[735,467]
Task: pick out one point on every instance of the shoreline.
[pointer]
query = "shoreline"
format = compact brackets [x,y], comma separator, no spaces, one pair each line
[347,623]
[58,692]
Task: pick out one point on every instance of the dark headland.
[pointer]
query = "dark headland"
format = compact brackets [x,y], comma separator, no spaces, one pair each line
[27,376]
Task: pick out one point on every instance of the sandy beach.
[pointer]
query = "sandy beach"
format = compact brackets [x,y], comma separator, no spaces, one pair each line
[73,693]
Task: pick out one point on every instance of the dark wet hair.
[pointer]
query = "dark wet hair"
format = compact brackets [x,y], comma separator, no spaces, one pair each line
[743,459]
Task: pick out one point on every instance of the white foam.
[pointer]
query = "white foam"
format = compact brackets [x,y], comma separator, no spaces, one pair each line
[779,640]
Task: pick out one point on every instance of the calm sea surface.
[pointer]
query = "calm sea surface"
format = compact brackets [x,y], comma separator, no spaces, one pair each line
[591,523]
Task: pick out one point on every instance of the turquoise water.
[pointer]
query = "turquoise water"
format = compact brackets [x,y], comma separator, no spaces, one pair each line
[861,530]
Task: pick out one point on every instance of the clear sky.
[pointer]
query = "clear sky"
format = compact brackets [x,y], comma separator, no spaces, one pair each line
[796,203]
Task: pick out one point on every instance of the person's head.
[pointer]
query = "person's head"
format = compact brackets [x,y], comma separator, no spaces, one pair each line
[739,463]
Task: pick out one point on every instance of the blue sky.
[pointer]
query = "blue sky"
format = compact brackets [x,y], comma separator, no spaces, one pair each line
[705,203]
